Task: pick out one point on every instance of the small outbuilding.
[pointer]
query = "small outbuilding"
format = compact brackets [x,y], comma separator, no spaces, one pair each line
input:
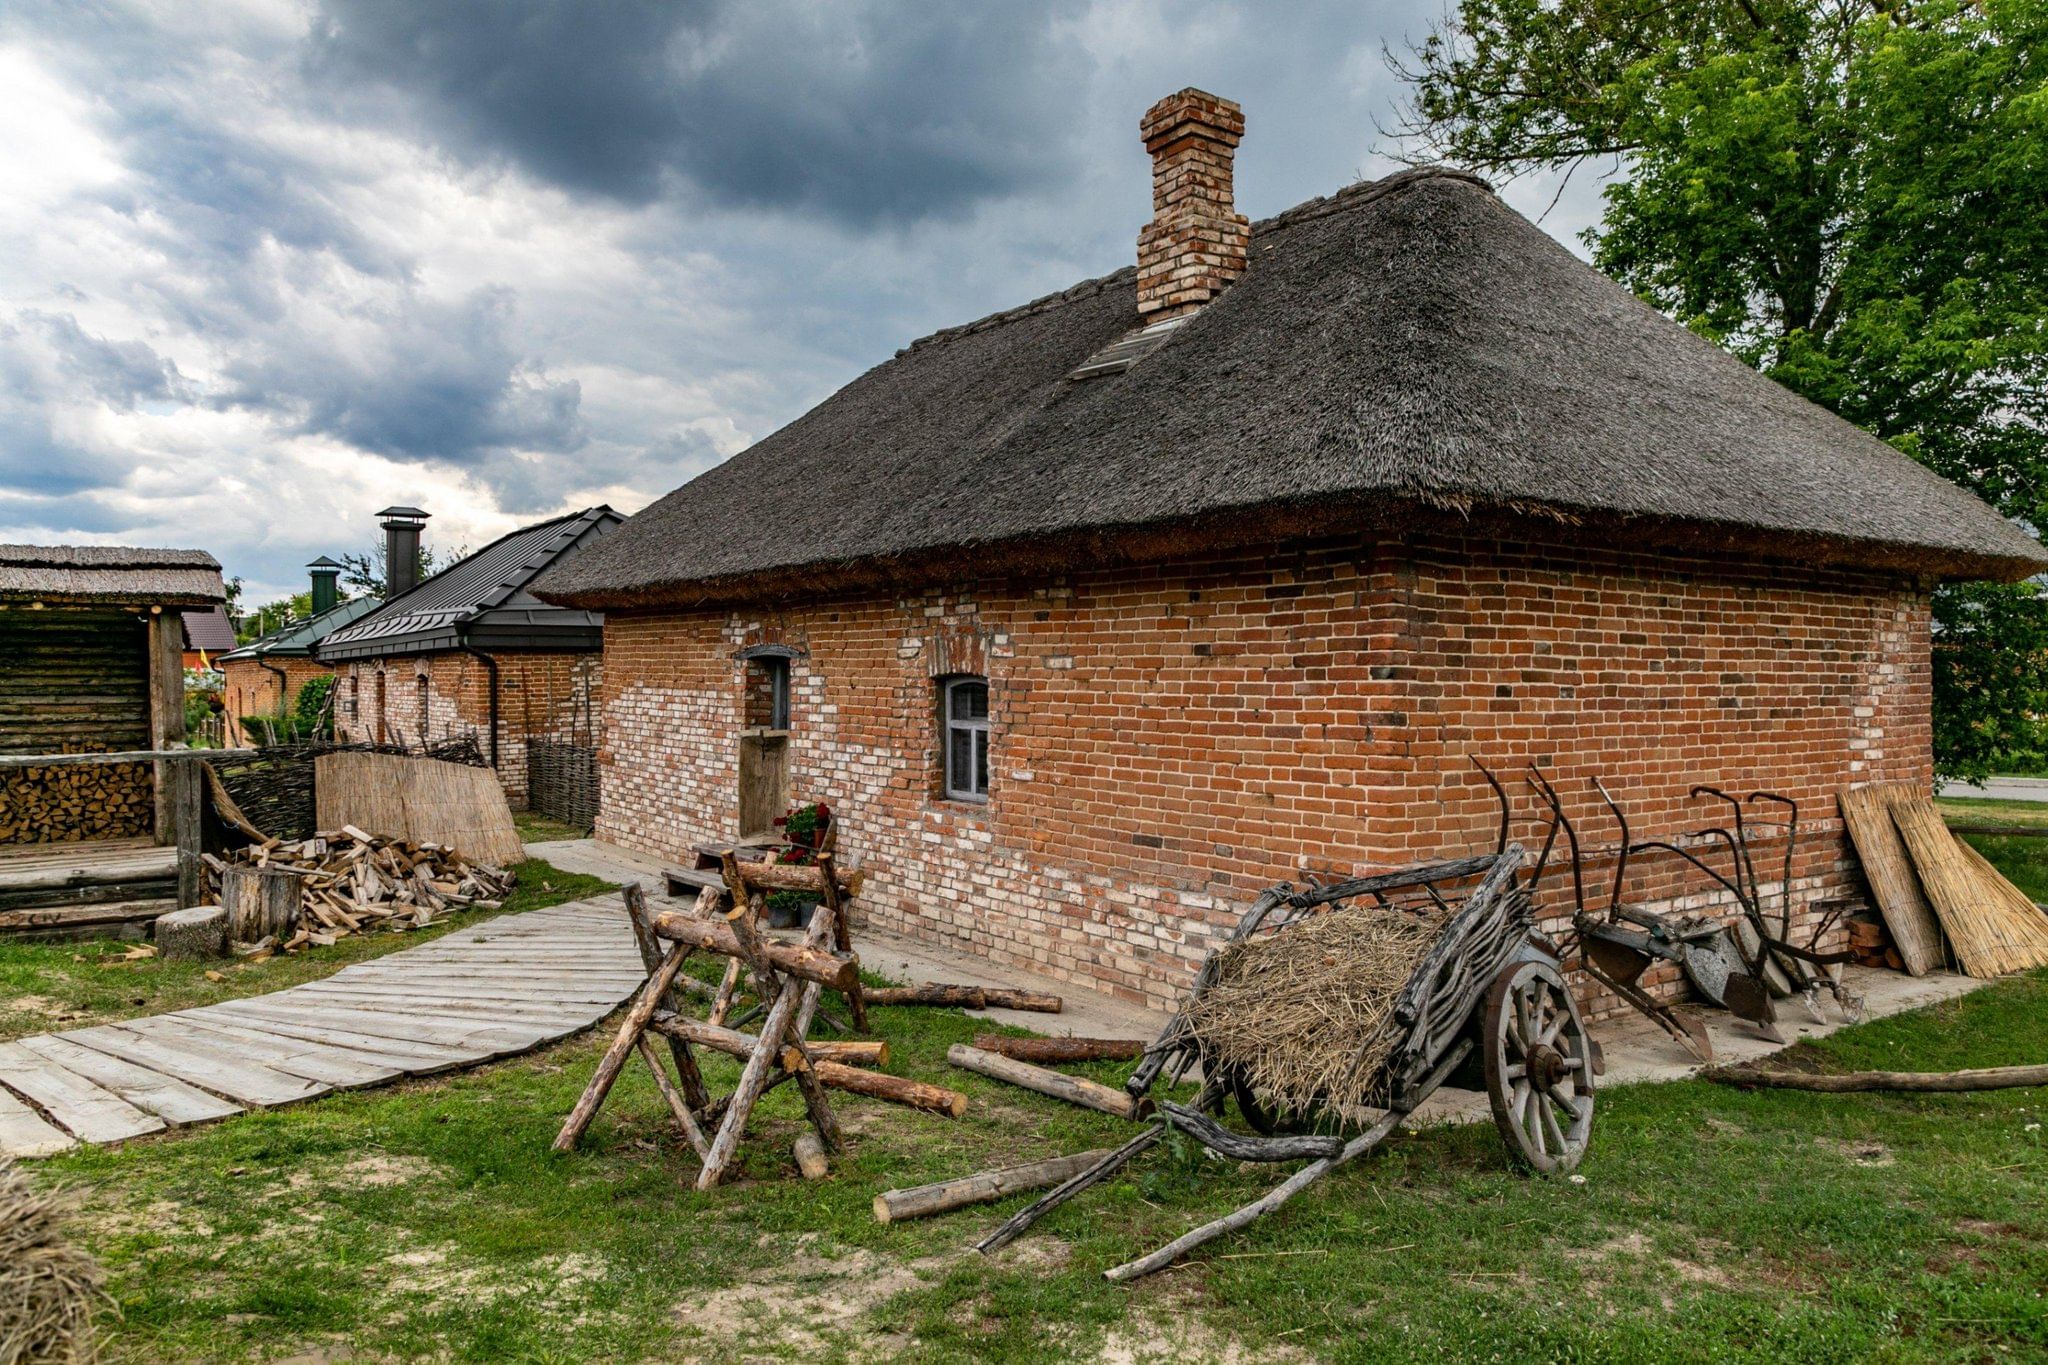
[1094,616]
[471,652]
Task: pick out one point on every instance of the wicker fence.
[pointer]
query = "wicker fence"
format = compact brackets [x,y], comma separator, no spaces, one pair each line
[274,788]
[561,781]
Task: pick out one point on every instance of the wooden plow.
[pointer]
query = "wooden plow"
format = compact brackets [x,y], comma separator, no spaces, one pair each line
[1487,1008]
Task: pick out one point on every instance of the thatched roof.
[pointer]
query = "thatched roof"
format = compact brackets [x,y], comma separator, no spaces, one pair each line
[1408,342]
[110,574]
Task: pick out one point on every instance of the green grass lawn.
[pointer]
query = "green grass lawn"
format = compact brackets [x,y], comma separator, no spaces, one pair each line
[431,1219]
[49,987]
[535,828]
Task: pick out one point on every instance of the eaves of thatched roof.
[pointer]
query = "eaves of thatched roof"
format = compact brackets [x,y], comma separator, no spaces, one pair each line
[1410,347]
[109,574]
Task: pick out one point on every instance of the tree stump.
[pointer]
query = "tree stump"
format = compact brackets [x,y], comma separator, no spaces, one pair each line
[193,934]
[259,901]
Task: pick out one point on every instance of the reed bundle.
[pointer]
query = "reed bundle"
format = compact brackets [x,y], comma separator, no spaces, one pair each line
[1994,927]
[48,1287]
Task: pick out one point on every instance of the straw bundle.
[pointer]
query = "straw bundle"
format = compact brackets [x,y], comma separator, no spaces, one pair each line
[48,1288]
[1866,811]
[1305,1015]
[1994,927]
[419,800]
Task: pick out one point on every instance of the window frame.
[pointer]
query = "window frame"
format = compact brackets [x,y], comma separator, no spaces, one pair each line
[979,730]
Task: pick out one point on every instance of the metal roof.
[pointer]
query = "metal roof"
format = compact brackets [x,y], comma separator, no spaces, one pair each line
[296,640]
[209,630]
[481,601]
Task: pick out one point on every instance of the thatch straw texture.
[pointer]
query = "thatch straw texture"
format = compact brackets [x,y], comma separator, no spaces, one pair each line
[1867,813]
[48,1287]
[1994,927]
[420,799]
[1305,1015]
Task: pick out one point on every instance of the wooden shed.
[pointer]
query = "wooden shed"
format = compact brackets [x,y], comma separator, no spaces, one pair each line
[91,662]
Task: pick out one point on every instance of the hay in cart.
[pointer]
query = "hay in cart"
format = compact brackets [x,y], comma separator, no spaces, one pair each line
[1307,1017]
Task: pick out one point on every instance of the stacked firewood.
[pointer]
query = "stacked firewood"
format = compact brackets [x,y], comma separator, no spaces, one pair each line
[351,882]
[75,801]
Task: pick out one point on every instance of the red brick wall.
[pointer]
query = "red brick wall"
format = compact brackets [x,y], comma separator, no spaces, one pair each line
[540,696]
[250,689]
[1168,740]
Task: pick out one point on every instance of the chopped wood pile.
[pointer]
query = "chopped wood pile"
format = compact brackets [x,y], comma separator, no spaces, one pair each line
[352,882]
[76,801]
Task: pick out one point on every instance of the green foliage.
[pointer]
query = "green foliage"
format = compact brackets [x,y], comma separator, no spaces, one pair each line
[1990,692]
[1844,193]
[310,707]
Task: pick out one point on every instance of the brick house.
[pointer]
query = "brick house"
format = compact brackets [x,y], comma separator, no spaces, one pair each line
[1095,616]
[469,651]
[262,678]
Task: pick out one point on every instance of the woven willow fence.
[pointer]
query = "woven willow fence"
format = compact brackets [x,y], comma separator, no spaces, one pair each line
[561,781]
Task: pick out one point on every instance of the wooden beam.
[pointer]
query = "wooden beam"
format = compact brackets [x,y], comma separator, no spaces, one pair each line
[160,755]
[805,962]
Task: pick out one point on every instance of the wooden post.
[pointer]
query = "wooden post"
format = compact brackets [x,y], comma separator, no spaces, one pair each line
[166,649]
[183,775]
[650,955]
[842,936]
[644,1005]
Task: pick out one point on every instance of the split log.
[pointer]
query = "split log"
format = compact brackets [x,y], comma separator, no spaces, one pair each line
[192,934]
[922,1201]
[810,1157]
[1044,1050]
[1983,1078]
[797,877]
[1073,1089]
[799,960]
[966,997]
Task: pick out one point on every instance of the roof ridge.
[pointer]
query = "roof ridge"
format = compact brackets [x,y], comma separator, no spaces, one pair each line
[1352,196]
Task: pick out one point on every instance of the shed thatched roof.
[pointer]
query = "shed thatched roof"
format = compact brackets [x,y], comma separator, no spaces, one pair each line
[110,574]
[1411,341]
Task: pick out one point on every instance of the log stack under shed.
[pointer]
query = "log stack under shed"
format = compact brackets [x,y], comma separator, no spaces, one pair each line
[64,804]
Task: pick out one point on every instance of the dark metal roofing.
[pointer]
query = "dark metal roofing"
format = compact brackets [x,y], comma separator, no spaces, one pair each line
[323,562]
[1409,344]
[296,640]
[208,630]
[482,602]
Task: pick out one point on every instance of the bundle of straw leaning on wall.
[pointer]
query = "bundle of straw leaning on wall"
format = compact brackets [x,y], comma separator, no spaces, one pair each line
[48,1287]
[1994,927]
[1305,1014]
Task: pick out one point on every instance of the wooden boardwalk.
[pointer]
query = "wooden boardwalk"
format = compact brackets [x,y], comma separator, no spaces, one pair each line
[495,989]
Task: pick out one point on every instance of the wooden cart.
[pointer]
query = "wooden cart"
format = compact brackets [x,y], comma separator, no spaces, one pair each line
[1487,1009]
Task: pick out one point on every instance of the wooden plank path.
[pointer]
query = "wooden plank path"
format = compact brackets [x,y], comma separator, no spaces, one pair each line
[492,990]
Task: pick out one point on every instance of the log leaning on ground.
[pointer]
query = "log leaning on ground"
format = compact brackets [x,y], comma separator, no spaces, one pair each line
[922,1201]
[1073,1089]
[1046,1050]
[193,934]
[1983,1078]
[932,1099]
[803,961]
[966,997]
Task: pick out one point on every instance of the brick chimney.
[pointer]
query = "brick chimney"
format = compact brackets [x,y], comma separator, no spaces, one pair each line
[401,549]
[1196,243]
[325,594]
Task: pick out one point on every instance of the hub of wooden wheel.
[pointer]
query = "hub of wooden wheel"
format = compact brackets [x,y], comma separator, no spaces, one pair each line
[1545,1066]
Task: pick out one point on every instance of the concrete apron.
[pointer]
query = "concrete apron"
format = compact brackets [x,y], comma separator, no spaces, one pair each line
[1636,1050]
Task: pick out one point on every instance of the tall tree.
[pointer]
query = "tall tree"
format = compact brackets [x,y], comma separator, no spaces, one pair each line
[1851,195]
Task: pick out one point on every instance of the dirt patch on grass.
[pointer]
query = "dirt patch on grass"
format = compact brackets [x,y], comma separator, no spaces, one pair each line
[1636,1248]
[804,1299]
[1168,1342]
[1864,1153]
[375,1172]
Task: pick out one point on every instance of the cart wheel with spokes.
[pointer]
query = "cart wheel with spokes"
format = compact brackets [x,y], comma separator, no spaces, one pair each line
[1539,1067]
[1265,1119]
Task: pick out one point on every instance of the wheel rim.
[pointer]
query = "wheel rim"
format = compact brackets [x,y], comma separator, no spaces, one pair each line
[1539,1072]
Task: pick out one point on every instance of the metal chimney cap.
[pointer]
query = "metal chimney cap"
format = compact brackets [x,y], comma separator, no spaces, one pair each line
[323,562]
[404,512]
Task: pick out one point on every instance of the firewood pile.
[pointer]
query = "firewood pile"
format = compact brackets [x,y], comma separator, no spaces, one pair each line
[76,801]
[352,882]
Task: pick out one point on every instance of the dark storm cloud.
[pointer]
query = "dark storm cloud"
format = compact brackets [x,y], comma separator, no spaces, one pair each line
[120,374]
[45,363]
[429,381]
[862,111]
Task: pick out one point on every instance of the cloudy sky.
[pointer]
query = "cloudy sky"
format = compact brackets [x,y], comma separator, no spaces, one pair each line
[267,266]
